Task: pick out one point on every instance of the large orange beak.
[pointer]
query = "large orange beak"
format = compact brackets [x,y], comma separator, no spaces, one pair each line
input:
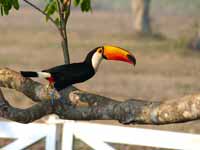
[116,53]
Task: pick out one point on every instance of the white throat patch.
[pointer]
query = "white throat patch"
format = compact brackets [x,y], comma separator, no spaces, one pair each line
[96,60]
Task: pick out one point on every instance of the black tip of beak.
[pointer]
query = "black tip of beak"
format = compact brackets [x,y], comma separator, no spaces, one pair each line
[132,59]
[104,56]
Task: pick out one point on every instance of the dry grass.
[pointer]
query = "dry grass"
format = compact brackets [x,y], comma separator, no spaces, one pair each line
[164,70]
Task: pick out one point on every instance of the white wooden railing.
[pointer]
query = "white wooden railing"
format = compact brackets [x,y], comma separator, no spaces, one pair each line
[95,135]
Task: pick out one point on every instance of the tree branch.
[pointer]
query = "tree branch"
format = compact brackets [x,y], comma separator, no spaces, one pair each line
[37,8]
[64,12]
[80,105]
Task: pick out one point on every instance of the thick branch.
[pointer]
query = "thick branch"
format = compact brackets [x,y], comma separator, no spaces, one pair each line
[88,106]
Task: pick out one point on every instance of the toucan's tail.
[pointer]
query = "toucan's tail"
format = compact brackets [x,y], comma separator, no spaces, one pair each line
[35,74]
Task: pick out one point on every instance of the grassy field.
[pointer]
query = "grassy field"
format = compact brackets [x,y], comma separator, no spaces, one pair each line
[165,68]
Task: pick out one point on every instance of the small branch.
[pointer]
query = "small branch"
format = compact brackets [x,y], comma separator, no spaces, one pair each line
[37,8]
[66,8]
[63,32]
[60,15]
[65,20]
[67,14]
[66,17]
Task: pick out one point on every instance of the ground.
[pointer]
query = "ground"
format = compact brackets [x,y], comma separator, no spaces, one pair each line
[165,68]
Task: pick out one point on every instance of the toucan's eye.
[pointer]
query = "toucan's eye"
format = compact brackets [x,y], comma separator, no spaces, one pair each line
[100,51]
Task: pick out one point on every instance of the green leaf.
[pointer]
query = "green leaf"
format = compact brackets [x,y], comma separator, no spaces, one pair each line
[50,8]
[16,4]
[2,12]
[57,20]
[76,2]
[46,7]
[7,5]
[85,5]
[6,11]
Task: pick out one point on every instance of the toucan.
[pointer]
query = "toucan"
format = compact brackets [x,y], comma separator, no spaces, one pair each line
[65,75]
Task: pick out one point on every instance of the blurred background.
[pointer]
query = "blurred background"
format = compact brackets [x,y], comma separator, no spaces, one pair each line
[167,49]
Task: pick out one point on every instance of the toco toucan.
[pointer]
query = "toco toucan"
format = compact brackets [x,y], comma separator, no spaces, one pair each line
[64,75]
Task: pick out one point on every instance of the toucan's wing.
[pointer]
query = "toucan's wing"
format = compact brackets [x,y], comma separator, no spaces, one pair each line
[57,69]
[71,74]
[74,72]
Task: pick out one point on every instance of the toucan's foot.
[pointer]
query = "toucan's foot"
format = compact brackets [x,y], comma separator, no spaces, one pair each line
[61,100]
[52,95]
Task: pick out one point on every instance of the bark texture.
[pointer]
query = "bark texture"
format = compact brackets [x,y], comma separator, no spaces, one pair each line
[141,19]
[75,104]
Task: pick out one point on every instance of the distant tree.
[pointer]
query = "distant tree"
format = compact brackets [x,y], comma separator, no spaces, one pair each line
[194,42]
[141,20]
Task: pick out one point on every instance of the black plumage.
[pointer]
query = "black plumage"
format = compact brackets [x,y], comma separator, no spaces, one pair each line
[66,75]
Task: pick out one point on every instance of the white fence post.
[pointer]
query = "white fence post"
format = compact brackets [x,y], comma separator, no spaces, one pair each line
[68,135]
[50,143]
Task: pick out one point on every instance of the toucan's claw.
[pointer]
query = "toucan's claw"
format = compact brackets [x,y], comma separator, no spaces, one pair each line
[52,95]
[61,100]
